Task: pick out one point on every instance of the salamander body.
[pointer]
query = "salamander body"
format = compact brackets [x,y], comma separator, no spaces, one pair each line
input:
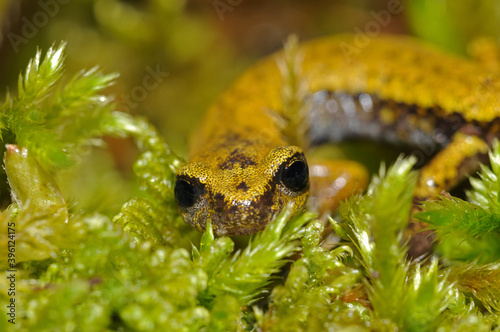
[243,169]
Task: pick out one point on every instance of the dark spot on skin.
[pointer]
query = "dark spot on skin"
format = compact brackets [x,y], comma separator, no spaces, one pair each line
[230,138]
[265,202]
[227,164]
[261,210]
[237,158]
[269,194]
[242,186]
[219,204]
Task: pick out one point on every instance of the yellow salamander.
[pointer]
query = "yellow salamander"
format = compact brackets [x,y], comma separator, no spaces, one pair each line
[243,170]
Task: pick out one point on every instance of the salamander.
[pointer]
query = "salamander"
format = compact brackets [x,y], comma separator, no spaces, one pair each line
[243,169]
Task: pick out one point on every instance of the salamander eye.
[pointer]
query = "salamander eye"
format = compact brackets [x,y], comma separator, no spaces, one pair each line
[186,193]
[296,175]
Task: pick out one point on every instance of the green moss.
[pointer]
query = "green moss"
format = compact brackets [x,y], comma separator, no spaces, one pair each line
[80,269]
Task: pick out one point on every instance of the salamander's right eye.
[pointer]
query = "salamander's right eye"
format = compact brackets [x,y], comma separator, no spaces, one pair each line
[295,176]
[186,193]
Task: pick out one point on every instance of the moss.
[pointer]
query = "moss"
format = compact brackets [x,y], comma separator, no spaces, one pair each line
[143,269]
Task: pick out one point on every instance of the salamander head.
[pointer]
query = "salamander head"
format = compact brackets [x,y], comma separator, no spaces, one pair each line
[240,193]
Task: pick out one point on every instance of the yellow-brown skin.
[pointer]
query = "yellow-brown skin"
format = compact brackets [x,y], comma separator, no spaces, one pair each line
[240,183]
[393,68]
[331,181]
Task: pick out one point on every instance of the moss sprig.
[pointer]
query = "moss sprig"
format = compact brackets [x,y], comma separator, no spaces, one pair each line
[292,119]
[109,282]
[469,230]
[487,186]
[311,298]
[38,219]
[245,273]
[404,295]
[480,280]
[55,121]
[154,216]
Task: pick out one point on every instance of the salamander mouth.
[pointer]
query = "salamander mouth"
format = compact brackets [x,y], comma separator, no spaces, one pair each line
[225,226]
[243,217]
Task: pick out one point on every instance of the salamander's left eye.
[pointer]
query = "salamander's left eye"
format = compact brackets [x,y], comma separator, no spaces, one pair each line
[296,175]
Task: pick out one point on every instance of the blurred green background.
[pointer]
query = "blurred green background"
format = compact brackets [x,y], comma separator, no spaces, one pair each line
[176,56]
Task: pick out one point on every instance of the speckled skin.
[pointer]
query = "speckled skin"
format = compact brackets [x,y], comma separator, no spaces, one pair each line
[238,149]
[241,192]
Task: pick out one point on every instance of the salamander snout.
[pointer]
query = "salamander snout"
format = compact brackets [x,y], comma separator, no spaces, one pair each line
[242,200]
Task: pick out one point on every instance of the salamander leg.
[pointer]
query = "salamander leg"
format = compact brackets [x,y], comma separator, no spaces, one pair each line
[451,165]
[332,181]
[447,169]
